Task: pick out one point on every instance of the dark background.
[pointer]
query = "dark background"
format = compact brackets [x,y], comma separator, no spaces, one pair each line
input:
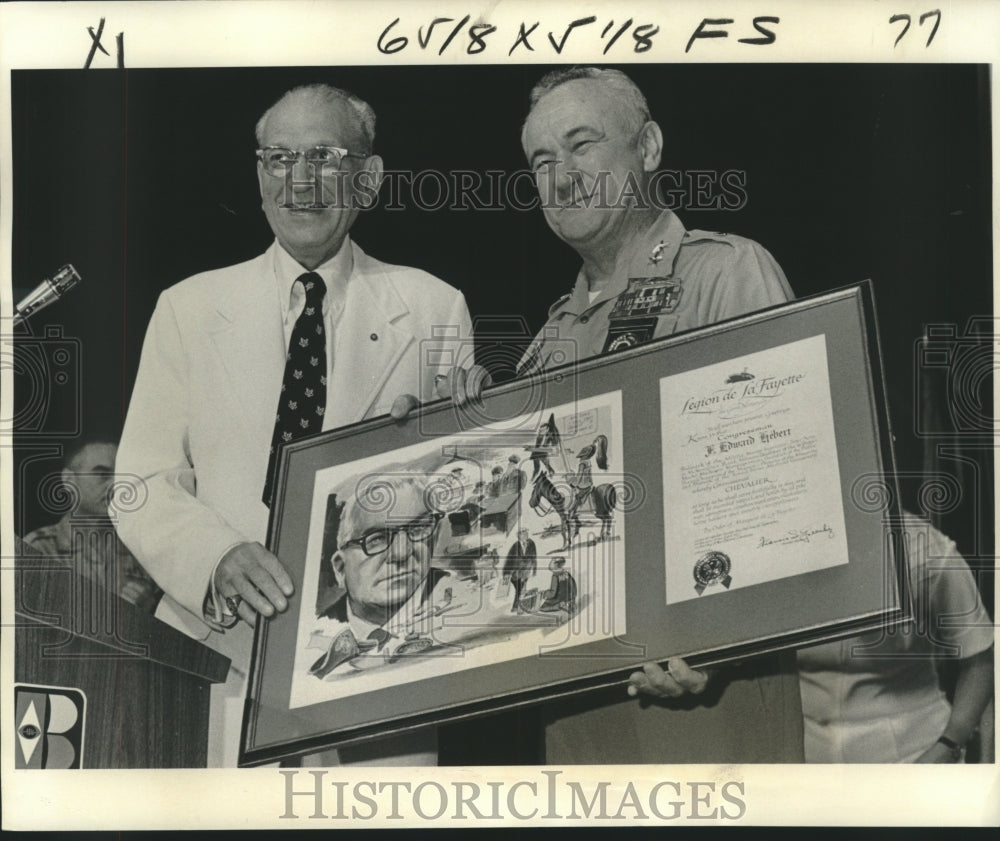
[143,177]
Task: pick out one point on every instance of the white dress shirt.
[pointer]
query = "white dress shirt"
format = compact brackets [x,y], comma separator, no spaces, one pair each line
[336,273]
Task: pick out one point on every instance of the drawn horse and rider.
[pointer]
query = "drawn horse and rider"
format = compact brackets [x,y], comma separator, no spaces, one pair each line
[579,490]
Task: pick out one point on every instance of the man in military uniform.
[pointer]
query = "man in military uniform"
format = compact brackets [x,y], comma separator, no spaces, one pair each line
[85,537]
[590,141]
[589,136]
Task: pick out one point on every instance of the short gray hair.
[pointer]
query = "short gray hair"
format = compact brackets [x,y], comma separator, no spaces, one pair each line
[320,96]
[616,82]
[374,493]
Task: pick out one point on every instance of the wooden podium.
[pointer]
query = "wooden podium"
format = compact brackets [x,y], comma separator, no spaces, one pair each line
[146,685]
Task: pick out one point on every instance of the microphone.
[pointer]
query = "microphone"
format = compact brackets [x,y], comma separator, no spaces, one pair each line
[49,290]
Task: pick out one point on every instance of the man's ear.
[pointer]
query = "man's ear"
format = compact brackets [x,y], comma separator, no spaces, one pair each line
[337,562]
[650,146]
[369,179]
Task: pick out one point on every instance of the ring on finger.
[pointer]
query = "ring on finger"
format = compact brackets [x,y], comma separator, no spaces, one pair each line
[233,603]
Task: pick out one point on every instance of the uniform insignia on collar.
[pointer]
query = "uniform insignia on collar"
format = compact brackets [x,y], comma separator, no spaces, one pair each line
[559,303]
[657,253]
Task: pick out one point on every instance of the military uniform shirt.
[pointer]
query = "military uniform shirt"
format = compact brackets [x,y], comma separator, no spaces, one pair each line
[91,547]
[672,280]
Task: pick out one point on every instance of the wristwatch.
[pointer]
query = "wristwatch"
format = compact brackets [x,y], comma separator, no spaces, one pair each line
[953,746]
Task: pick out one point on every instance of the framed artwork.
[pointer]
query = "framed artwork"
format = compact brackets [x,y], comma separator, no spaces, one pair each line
[714,495]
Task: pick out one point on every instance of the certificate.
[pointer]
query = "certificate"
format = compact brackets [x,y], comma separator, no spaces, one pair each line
[751,477]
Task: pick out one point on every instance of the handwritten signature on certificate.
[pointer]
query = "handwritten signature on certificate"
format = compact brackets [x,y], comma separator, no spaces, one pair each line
[798,536]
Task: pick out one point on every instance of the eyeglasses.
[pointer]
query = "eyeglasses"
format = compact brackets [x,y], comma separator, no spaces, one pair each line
[277,160]
[417,531]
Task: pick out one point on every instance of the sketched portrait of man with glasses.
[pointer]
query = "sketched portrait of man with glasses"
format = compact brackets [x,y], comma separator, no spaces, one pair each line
[383,557]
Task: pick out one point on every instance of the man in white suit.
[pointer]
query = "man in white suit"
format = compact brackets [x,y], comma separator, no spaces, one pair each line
[202,412]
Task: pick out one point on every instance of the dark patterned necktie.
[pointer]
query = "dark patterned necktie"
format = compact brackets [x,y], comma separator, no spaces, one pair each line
[303,390]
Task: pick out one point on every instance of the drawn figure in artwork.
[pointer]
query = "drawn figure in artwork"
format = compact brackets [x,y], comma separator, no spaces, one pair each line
[495,486]
[547,441]
[514,479]
[545,496]
[520,565]
[561,594]
[544,491]
[601,498]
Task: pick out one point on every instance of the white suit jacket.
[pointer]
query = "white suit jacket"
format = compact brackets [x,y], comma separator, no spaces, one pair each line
[200,420]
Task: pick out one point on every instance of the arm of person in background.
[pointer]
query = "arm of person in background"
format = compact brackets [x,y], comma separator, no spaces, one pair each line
[947,594]
[135,584]
[973,690]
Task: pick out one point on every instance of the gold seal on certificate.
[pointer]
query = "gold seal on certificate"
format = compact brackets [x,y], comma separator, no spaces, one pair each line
[712,568]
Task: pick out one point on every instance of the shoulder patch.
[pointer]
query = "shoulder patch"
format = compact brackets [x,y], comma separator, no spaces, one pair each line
[559,303]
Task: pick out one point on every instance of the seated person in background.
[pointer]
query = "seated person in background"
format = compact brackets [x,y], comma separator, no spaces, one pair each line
[877,697]
[86,537]
[561,594]
[495,486]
